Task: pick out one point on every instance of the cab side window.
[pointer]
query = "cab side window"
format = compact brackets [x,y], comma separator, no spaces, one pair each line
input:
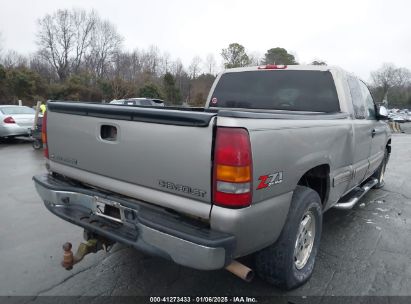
[357,97]
[369,102]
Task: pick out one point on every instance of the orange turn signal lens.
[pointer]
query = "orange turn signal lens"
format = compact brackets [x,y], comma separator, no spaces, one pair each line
[233,173]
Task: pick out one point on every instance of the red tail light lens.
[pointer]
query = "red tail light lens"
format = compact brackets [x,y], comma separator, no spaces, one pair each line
[44,135]
[273,67]
[9,120]
[232,171]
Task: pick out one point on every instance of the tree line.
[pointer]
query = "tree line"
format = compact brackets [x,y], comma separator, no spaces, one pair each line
[80,56]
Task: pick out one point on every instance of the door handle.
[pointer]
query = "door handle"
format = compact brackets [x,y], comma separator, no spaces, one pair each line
[373,132]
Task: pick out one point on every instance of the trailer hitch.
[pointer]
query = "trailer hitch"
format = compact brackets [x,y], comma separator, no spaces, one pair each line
[91,246]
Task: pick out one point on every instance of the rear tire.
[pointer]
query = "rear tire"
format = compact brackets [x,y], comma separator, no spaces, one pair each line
[380,172]
[9,139]
[37,144]
[288,263]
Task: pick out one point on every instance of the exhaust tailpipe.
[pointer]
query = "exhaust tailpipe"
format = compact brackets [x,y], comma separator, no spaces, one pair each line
[241,271]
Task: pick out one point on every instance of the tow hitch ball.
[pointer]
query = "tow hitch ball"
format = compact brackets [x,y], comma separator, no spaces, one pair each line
[91,246]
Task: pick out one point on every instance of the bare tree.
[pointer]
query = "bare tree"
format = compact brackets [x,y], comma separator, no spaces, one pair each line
[151,60]
[63,39]
[403,77]
[127,66]
[136,64]
[166,62]
[106,43]
[210,64]
[55,39]
[389,76]
[83,24]
[194,68]
[12,59]
[177,69]
[1,44]
[255,58]
[38,65]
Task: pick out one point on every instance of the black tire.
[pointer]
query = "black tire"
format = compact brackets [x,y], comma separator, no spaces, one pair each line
[276,264]
[37,144]
[380,172]
[9,139]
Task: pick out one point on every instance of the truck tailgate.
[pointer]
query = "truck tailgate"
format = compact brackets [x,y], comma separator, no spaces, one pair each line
[160,151]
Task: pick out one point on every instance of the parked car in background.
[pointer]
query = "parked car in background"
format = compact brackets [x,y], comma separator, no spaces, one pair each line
[405,113]
[16,120]
[149,102]
[397,117]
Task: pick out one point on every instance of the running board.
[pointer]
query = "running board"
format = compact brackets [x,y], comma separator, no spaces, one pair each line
[349,200]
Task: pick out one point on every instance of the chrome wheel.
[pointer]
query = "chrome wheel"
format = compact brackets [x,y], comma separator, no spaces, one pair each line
[305,240]
[37,144]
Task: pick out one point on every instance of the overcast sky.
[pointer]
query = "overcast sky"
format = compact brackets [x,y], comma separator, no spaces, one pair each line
[356,35]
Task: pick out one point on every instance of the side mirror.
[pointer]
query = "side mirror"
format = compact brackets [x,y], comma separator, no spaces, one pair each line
[382,113]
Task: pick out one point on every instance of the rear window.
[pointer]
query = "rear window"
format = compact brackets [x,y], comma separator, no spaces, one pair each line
[143,102]
[17,110]
[312,91]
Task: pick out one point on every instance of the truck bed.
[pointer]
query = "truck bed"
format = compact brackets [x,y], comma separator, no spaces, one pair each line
[146,157]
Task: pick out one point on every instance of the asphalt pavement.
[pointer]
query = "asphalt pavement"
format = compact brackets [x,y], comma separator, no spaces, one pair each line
[364,251]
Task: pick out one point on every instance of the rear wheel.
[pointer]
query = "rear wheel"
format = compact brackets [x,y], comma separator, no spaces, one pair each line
[289,262]
[37,144]
[380,172]
[9,139]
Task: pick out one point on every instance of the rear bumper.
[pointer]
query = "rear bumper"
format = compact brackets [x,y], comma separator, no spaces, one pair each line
[152,230]
[13,130]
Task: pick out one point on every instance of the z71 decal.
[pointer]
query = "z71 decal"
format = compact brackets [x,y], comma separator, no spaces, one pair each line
[269,180]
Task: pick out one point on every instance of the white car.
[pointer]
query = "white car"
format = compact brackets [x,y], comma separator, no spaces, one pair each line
[149,102]
[396,117]
[16,120]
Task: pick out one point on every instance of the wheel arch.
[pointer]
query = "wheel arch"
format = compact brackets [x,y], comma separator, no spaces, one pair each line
[388,146]
[318,179]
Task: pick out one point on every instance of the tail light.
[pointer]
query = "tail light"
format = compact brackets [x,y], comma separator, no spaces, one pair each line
[44,135]
[9,120]
[273,67]
[232,170]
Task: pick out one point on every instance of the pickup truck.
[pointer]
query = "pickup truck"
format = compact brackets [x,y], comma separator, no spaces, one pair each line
[251,173]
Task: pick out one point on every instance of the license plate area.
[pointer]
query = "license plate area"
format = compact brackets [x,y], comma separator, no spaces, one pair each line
[112,210]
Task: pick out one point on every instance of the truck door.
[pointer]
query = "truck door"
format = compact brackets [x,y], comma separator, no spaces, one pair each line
[362,128]
[378,132]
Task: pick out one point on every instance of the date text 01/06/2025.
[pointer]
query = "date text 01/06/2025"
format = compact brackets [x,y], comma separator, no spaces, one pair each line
[234,299]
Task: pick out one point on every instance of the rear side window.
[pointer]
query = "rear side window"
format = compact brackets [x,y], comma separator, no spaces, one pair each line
[369,102]
[362,101]
[17,110]
[312,91]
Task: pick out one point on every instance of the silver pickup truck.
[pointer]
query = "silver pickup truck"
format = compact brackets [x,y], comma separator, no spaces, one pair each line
[250,173]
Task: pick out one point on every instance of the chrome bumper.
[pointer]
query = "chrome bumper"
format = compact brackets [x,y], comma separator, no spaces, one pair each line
[147,229]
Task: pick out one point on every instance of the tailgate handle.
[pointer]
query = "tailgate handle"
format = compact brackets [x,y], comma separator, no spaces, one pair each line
[108,132]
